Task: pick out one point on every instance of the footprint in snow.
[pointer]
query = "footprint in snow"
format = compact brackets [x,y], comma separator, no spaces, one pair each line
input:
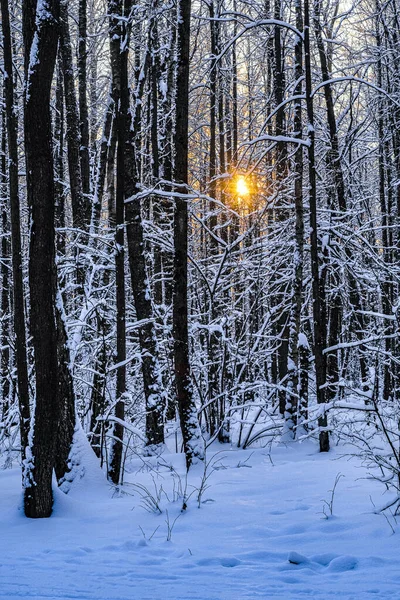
[302,507]
[298,559]
[225,561]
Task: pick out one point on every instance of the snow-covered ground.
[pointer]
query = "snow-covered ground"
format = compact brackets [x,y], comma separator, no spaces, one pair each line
[259,512]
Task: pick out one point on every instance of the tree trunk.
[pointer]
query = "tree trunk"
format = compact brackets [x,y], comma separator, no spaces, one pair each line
[294,401]
[319,327]
[80,208]
[18,286]
[42,273]
[83,108]
[117,32]
[139,280]
[59,160]
[5,365]
[66,398]
[192,442]
[336,165]
[102,165]
[281,213]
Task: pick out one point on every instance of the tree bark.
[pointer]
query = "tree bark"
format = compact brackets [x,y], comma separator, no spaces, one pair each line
[281,168]
[66,398]
[59,159]
[5,365]
[154,399]
[117,33]
[294,401]
[18,286]
[42,274]
[83,107]
[192,442]
[336,165]
[319,327]
[102,164]
[80,204]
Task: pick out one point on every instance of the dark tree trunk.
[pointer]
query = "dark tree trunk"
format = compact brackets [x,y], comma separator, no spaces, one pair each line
[80,205]
[387,238]
[42,272]
[5,365]
[59,160]
[110,180]
[18,287]
[336,166]
[139,280]
[117,33]
[319,327]
[102,165]
[155,75]
[213,222]
[160,206]
[192,442]
[234,97]
[167,168]
[281,212]
[83,108]
[295,401]
[213,107]
[98,398]
[66,398]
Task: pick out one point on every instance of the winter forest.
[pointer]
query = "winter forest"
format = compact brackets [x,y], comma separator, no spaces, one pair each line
[199,266]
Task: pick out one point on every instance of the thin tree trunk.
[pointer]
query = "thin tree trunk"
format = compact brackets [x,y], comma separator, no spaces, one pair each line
[192,442]
[83,107]
[66,398]
[234,97]
[281,213]
[110,181]
[102,165]
[98,398]
[355,300]
[117,32]
[294,401]
[18,287]
[213,388]
[319,327]
[78,200]
[387,285]
[5,365]
[59,160]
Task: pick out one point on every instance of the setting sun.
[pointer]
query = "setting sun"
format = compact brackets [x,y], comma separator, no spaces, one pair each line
[241,187]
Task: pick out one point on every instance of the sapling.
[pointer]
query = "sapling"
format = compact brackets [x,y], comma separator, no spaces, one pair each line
[152,535]
[171,525]
[206,475]
[328,504]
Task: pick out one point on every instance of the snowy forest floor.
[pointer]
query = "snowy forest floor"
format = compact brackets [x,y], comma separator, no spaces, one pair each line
[259,511]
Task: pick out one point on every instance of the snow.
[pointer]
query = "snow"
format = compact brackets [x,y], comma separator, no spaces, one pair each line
[263,531]
[163,86]
[303,342]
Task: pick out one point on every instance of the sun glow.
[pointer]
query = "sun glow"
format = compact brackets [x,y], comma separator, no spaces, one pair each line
[242,187]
